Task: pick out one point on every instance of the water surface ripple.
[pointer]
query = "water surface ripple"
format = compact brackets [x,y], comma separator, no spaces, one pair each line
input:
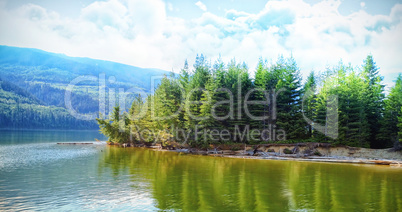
[36,174]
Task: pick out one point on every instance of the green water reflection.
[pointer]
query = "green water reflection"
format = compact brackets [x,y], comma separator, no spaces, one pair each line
[204,183]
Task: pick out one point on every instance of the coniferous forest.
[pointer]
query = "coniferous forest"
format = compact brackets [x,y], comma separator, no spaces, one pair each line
[33,84]
[222,103]
[20,109]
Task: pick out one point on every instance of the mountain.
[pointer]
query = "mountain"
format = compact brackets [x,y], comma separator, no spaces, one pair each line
[20,109]
[67,68]
[39,78]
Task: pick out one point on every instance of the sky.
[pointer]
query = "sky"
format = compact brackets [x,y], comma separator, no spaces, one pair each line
[163,34]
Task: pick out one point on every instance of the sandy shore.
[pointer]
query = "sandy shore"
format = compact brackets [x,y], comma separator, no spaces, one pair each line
[396,163]
[314,152]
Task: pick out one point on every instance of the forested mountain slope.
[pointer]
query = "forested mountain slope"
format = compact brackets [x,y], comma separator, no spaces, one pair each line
[20,109]
[36,77]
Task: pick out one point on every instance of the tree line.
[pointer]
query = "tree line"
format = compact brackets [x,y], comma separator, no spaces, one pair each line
[223,103]
[32,116]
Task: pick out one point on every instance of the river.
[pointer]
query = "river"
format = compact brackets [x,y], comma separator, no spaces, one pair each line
[37,174]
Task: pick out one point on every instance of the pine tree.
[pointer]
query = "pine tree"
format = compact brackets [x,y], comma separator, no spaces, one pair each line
[340,108]
[137,113]
[194,93]
[209,98]
[288,88]
[117,128]
[374,96]
[345,108]
[259,111]
[388,133]
[309,102]
[355,120]
[184,75]
[400,125]
[207,122]
[239,83]
[221,110]
[272,77]
[184,79]
[168,100]
[326,107]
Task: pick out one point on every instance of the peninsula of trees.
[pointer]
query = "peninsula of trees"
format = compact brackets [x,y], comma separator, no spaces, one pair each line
[348,101]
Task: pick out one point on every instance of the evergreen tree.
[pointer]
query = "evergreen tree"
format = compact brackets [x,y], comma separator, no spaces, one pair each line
[354,120]
[347,88]
[388,134]
[207,122]
[167,102]
[261,94]
[310,100]
[196,85]
[184,75]
[288,101]
[374,99]
[117,128]
[184,79]
[344,109]
[400,126]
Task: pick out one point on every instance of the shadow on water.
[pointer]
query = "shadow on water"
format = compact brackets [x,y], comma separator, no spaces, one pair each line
[189,182]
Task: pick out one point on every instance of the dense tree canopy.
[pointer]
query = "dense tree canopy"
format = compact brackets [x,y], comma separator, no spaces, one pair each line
[390,125]
[222,103]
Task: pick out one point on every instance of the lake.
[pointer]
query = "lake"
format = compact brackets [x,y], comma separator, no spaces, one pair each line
[36,174]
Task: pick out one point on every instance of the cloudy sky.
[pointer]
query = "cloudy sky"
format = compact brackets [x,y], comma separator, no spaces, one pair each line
[162,34]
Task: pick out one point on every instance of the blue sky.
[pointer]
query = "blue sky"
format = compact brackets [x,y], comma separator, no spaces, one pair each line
[162,34]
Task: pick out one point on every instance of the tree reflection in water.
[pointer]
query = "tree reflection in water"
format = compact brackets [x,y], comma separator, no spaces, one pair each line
[189,182]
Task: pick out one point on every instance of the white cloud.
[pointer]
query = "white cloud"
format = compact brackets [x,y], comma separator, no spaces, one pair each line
[234,14]
[170,6]
[140,33]
[362,4]
[201,6]
[107,14]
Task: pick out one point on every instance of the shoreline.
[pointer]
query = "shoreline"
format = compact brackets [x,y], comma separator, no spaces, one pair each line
[329,160]
[310,152]
[393,163]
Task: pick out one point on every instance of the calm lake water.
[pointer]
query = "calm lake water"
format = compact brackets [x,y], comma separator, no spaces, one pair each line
[36,174]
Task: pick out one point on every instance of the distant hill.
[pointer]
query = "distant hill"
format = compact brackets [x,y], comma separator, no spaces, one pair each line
[67,68]
[36,77]
[20,109]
